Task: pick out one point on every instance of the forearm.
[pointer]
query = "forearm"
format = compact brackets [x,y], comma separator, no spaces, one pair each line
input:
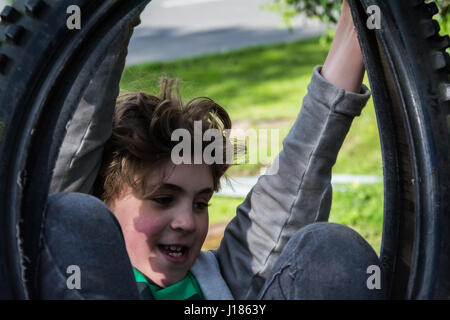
[344,65]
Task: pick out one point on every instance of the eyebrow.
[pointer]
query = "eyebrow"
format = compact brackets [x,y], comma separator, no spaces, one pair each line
[176,188]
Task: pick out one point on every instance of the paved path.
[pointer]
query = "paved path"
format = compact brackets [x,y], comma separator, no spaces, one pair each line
[240,187]
[172,29]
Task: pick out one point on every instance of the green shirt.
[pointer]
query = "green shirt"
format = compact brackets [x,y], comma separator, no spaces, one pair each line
[186,289]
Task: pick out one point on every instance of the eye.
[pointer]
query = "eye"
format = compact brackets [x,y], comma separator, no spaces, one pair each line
[164,201]
[201,205]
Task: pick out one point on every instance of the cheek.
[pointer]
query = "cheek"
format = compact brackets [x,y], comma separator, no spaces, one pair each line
[149,227]
[140,228]
[142,236]
[202,227]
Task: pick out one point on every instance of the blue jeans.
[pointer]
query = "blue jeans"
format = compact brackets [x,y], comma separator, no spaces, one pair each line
[81,232]
[325,261]
[321,261]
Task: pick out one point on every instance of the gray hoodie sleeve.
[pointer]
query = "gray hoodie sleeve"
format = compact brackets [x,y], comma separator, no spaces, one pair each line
[295,191]
[80,155]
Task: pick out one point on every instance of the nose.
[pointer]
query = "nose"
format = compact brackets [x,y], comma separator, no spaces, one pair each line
[184,219]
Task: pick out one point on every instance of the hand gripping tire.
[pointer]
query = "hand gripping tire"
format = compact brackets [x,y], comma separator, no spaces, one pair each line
[44,68]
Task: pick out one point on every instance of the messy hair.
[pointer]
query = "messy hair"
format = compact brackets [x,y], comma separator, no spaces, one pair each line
[141,138]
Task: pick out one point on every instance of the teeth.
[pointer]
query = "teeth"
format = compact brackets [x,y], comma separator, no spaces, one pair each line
[175,254]
[173,248]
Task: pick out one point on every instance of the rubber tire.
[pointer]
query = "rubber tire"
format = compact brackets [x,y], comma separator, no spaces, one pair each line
[40,58]
[408,69]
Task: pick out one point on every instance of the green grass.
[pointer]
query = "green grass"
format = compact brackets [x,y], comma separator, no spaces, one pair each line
[262,85]
[361,208]
[223,208]
[252,84]
[357,206]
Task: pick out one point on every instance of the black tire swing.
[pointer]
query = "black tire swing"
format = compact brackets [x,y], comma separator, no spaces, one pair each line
[46,69]
[408,70]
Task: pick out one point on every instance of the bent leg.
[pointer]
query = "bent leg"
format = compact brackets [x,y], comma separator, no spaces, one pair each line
[82,236]
[325,261]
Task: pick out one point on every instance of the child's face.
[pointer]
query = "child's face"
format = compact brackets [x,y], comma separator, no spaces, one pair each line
[164,232]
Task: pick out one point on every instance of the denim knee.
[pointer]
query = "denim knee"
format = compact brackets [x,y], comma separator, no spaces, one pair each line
[74,208]
[324,261]
[79,230]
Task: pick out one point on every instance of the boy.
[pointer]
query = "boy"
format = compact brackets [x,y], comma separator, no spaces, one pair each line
[276,247]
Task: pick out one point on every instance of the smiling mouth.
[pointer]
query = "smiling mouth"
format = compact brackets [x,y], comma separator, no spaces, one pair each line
[174,253]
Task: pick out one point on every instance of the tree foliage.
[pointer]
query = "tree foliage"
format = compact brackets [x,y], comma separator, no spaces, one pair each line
[328,10]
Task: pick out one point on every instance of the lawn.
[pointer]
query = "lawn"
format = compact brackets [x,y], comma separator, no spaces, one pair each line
[262,87]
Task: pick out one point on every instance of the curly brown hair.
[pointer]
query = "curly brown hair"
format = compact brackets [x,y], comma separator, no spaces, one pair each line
[141,138]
